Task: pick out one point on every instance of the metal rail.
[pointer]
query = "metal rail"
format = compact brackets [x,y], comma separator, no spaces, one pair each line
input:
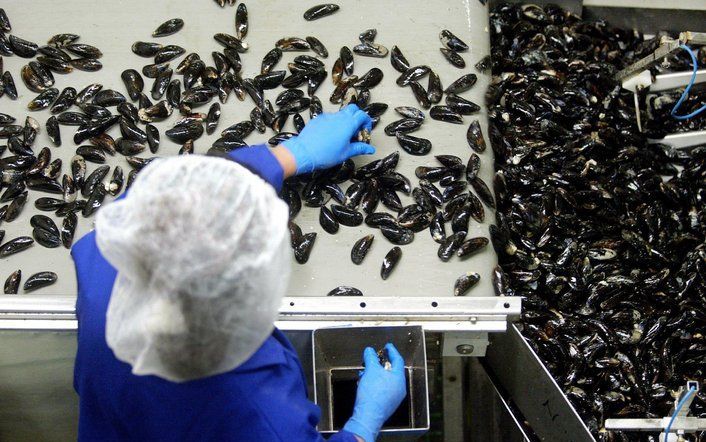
[478,314]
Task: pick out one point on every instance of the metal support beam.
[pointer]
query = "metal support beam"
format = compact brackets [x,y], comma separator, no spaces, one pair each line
[471,314]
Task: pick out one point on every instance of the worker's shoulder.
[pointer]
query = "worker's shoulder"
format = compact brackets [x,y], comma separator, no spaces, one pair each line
[270,354]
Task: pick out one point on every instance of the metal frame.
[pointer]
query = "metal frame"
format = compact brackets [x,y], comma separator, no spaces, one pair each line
[535,392]
[477,314]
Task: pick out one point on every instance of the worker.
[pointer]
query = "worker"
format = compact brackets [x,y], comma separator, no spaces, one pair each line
[179,286]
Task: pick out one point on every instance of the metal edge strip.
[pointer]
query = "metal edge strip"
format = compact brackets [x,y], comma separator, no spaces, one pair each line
[532,388]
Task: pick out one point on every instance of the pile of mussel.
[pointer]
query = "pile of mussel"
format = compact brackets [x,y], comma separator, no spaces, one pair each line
[602,233]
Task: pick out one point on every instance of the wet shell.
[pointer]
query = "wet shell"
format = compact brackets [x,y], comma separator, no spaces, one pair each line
[398,60]
[403,126]
[390,262]
[317,46]
[472,167]
[68,228]
[370,79]
[39,280]
[413,145]
[450,244]
[53,131]
[483,191]
[61,40]
[108,97]
[22,48]
[133,83]
[434,89]
[31,79]
[370,49]
[181,134]
[471,246]
[12,283]
[320,11]
[241,21]
[464,283]
[328,221]
[360,248]
[289,44]
[346,216]
[270,60]
[450,41]
[446,114]
[462,84]
[454,58]
[214,114]
[474,136]
[57,65]
[345,291]
[461,105]
[87,64]
[146,49]
[84,50]
[169,27]
[4,22]
[15,246]
[303,249]
[413,74]
[420,94]
[9,85]
[397,235]
[64,101]
[43,100]
[168,53]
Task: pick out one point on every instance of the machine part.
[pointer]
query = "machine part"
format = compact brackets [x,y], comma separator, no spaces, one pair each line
[536,394]
[678,423]
[338,360]
[469,314]
[465,344]
[683,139]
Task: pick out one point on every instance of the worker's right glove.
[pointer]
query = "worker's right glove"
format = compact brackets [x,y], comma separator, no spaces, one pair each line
[379,394]
[326,140]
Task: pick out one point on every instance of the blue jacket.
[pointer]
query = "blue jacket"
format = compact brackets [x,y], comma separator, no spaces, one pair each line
[264,399]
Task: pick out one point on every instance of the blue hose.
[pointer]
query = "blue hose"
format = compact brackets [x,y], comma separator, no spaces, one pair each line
[677,410]
[685,94]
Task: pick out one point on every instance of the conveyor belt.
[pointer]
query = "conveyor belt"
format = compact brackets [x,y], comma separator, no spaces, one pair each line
[412,25]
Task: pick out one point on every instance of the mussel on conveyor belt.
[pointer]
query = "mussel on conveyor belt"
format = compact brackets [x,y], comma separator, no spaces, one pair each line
[602,233]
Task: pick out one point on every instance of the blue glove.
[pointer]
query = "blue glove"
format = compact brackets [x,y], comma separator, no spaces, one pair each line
[379,394]
[326,140]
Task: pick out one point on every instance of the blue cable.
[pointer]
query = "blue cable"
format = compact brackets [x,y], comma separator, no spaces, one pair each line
[685,94]
[678,409]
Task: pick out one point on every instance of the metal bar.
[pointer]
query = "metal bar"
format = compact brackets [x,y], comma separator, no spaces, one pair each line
[665,48]
[306,313]
[693,38]
[675,80]
[683,139]
[686,424]
[453,389]
[521,373]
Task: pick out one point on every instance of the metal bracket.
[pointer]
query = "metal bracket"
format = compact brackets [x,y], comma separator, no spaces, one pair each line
[441,314]
[680,425]
[465,344]
[682,140]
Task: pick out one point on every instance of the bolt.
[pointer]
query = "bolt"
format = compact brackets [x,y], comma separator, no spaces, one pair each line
[464,349]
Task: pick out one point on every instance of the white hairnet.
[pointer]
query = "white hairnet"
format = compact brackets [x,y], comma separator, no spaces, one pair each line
[203,259]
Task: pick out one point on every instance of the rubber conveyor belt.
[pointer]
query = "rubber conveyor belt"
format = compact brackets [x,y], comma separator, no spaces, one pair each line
[413,25]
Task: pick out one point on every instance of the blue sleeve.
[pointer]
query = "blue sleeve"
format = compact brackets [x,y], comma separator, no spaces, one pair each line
[260,161]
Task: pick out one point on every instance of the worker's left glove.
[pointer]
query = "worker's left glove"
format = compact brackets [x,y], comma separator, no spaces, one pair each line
[380,392]
[326,140]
